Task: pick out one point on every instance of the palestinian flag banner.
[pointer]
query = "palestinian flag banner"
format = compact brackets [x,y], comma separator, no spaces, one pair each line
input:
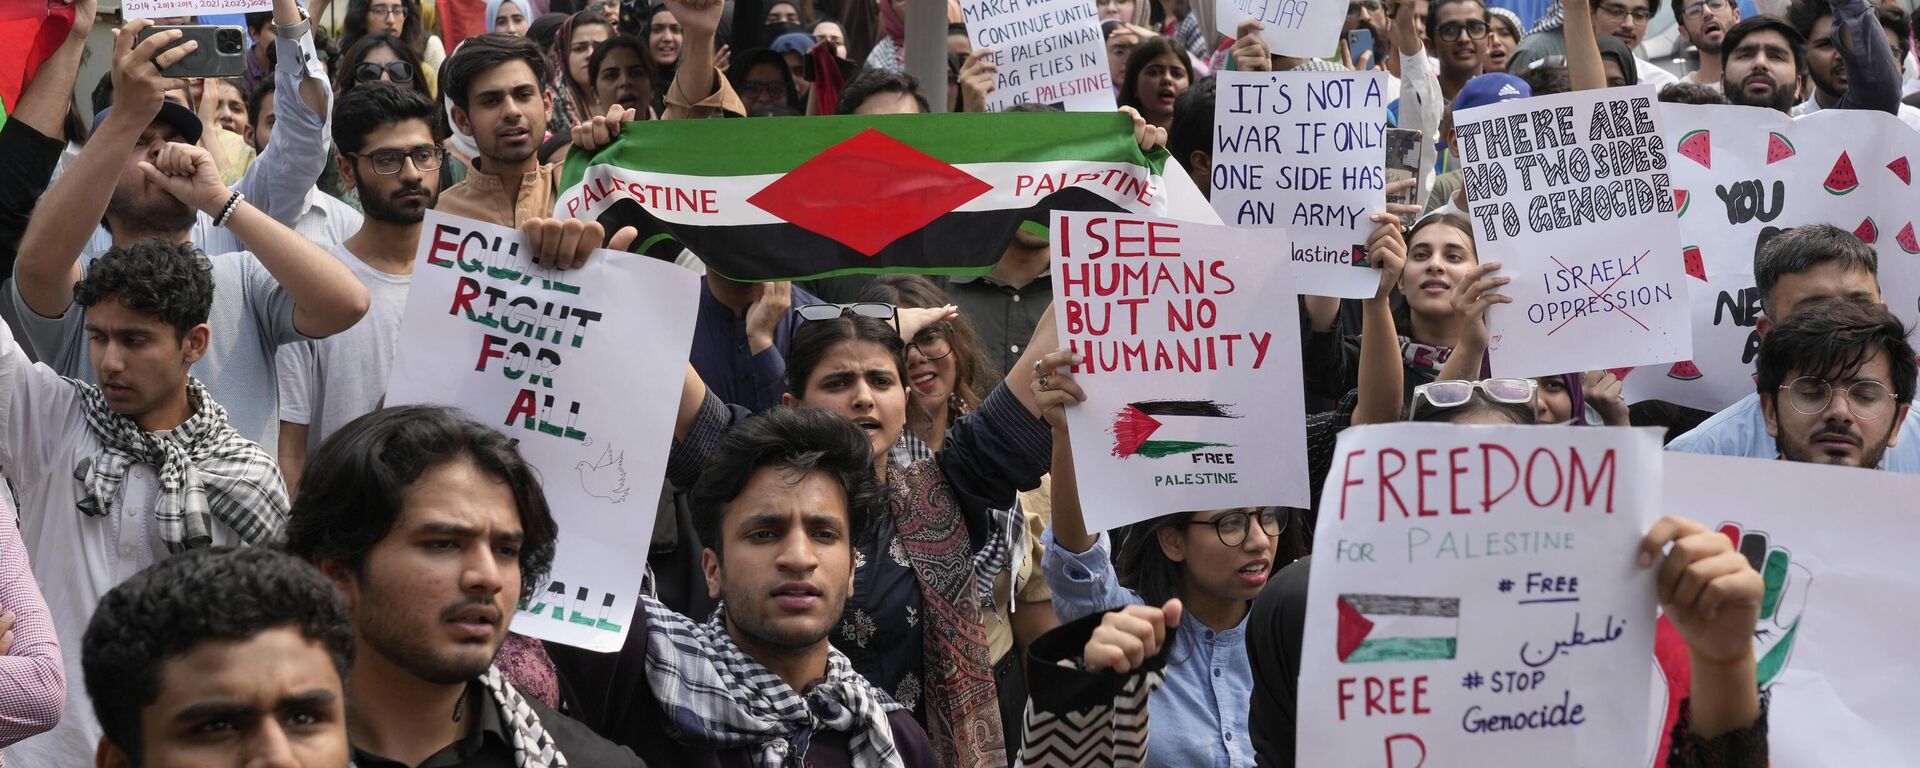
[809,197]
[33,32]
[1186,422]
[1397,628]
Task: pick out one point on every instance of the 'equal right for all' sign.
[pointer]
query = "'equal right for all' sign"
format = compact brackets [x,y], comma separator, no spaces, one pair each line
[1571,193]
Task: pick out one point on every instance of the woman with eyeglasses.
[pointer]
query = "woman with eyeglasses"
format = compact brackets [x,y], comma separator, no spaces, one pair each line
[380,57]
[944,360]
[916,623]
[1215,562]
[400,18]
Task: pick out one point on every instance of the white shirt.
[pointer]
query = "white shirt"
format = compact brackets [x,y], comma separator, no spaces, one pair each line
[326,383]
[1908,113]
[1651,74]
[1741,430]
[76,558]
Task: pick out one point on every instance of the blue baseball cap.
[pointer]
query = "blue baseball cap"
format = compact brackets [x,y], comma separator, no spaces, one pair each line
[793,42]
[172,113]
[1490,88]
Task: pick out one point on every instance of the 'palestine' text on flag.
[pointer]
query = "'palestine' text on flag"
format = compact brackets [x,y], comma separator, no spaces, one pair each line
[798,198]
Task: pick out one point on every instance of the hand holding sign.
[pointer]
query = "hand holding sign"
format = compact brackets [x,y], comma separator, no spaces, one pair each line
[1126,638]
[1250,53]
[1707,588]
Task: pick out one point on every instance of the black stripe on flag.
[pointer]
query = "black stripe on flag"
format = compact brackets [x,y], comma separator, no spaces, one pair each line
[1184,408]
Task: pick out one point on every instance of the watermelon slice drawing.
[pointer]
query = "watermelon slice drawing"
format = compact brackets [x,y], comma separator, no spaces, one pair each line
[1899,168]
[1867,231]
[1684,370]
[1905,239]
[1697,145]
[1680,201]
[1695,263]
[1778,148]
[1842,179]
[1620,373]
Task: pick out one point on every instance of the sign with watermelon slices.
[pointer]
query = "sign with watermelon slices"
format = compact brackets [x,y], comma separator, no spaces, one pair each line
[1486,574]
[1190,347]
[1769,173]
[1828,643]
[1572,194]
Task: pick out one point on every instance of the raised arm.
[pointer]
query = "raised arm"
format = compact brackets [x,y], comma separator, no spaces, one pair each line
[698,90]
[45,101]
[327,298]
[1873,77]
[1382,373]
[48,268]
[278,181]
[1583,49]
[1421,104]
[33,688]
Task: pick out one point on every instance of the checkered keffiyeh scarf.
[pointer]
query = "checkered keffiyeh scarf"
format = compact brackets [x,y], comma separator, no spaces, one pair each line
[533,745]
[1553,19]
[715,697]
[207,472]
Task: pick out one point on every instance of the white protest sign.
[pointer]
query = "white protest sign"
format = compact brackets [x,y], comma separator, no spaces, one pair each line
[1836,635]
[1047,52]
[1191,345]
[1292,27]
[1474,598]
[1306,151]
[1742,175]
[147,9]
[1571,194]
[579,367]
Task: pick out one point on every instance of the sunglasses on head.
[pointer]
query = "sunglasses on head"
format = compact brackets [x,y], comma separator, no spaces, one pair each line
[874,309]
[368,72]
[1454,393]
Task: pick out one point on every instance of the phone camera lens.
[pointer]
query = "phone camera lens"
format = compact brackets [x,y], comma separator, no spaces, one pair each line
[230,41]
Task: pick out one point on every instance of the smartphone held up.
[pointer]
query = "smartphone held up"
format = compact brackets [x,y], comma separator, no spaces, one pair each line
[221,51]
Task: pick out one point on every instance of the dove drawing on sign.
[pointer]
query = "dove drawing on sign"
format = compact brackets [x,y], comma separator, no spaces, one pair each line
[606,478]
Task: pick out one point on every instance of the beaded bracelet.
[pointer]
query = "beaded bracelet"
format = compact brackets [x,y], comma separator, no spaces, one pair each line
[226,212]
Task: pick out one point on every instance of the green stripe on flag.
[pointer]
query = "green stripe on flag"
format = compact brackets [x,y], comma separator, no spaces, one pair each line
[1403,649]
[773,145]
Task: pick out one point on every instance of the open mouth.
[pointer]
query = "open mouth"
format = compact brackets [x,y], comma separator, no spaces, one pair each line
[925,382]
[476,622]
[1436,286]
[796,596]
[1254,573]
[868,423]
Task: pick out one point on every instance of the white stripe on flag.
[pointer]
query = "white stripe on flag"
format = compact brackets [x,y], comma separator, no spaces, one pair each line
[1400,626]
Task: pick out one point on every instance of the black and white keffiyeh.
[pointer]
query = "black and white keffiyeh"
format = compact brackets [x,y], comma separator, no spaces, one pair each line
[207,471]
[533,746]
[716,697]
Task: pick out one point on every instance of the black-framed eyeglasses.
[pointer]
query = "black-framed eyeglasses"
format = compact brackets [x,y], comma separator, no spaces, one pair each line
[1693,10]
[1618,12]
[387,162]
[932,343]
[1370,6]
[368,71]
[873,309]
[762,87]
[1811,395]
[1232,527]
[1451,31]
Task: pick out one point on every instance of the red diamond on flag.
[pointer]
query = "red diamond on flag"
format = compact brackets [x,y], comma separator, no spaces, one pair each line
[868,191]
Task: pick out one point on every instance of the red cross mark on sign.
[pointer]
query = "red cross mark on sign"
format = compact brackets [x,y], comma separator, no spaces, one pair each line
[1598,294]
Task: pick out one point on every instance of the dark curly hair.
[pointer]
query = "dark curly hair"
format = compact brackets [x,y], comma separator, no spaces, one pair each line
[170,281]
[800,441]
[215,594]
[1833,337]
[350,492]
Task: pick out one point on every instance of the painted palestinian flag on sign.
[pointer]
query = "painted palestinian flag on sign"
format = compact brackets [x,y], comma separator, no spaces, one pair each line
[1185,423]
[1396,628]
[800,198]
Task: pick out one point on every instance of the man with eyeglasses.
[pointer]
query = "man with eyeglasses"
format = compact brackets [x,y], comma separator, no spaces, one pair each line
[1835,381]
[388,140]
[142,177]
[1793,270]
[1837,71]
[1625,20]
[1705,23]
